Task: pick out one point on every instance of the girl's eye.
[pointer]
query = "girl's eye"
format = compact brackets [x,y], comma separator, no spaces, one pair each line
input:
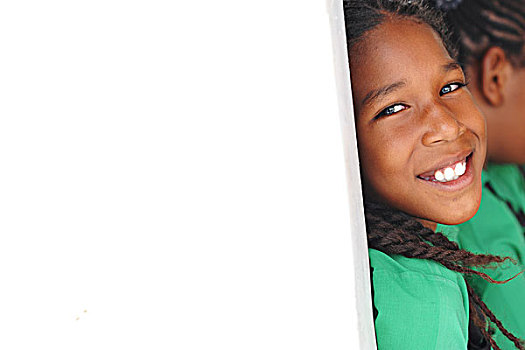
[450,87]
[391,110]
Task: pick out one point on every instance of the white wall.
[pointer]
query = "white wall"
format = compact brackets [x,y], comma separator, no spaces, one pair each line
[172,177]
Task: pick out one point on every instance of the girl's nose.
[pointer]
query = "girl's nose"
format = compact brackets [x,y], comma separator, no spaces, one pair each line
[441,125]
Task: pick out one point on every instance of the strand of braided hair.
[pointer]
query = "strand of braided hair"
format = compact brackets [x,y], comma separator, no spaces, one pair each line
[396,233]
[481,24]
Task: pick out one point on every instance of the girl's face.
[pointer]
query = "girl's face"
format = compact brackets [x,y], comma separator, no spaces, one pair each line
[421,138]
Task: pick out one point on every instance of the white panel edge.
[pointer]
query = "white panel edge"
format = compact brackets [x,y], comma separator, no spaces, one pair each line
[366,331]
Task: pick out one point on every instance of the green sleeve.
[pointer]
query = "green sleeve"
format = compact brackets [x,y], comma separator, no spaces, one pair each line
[420,304]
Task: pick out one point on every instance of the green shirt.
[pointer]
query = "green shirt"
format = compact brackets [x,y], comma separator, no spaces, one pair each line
[495,230]
[421,305]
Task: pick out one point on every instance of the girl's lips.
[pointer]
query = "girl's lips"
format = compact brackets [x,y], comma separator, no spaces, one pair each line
[453,170]
[448,162]
[454,185]
[448,173]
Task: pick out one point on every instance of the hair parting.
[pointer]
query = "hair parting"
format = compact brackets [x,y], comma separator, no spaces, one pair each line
[363,16]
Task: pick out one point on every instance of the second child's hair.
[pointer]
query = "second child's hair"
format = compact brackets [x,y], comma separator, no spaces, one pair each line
[394,232]
[481,24]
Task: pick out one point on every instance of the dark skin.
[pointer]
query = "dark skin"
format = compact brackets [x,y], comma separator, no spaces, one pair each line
[498,88]
[414,115]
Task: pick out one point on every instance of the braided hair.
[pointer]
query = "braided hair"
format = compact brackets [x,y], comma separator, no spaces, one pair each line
[481,24]
[394,232]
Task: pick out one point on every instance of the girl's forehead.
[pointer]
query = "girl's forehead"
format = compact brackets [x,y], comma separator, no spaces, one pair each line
[397,35]
[397,50]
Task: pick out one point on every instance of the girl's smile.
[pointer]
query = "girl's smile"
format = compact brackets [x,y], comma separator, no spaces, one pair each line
[421,138]
[455,168]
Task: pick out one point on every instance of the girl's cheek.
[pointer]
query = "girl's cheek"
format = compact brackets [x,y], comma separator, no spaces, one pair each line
[473,119]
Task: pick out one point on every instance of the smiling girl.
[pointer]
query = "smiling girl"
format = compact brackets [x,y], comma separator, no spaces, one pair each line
[422,146]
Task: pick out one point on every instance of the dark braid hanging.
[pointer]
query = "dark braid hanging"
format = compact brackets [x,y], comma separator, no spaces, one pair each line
[396,233]
[481,24]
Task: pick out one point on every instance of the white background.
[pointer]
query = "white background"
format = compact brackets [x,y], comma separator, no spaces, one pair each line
[172,177]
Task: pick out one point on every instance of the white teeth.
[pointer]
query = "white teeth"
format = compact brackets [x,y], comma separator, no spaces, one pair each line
[460,169]
[451,173]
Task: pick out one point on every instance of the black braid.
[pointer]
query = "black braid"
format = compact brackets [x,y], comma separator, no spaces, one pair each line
[486,311]
[442,250]
[478,25]
[396,233]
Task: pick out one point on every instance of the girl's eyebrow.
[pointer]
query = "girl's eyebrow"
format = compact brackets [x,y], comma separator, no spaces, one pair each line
[453,65]
[382,91]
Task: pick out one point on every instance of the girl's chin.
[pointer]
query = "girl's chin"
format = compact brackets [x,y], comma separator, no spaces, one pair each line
[453,216]
[466,215]
[454,213]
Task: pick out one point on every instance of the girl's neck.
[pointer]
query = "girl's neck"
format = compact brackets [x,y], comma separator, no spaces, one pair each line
[428,224]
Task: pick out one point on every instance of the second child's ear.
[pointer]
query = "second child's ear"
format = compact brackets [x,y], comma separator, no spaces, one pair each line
[495,70]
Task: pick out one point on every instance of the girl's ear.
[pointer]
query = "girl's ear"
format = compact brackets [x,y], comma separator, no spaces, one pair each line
[495,70]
